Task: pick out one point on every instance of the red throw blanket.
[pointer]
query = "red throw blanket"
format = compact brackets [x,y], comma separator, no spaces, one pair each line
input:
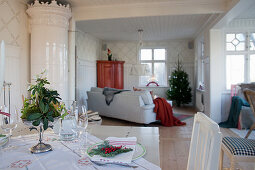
[165,113]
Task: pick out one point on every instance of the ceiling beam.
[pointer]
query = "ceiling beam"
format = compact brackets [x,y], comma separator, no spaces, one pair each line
[148,9]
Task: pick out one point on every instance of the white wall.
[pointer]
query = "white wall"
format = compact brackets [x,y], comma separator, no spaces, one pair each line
[214,74]
[217,72]
[88,50]
[14,31]
[128,51]
[205,36]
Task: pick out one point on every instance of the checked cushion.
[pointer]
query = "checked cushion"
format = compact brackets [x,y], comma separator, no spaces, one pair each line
[240,146]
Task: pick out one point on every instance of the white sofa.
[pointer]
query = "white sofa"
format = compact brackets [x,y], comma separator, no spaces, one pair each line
[134,106]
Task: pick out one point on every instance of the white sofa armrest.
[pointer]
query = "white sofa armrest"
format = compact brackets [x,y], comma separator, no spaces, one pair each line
[148,107]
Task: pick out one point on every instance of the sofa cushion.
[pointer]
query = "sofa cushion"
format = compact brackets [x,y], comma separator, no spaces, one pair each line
[151,92]
[244,86]
[246,118]
[146,96]
[96,89]
[250,86]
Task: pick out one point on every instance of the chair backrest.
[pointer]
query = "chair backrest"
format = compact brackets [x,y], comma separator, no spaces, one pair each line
[250,97]
[205,144]
[233,90]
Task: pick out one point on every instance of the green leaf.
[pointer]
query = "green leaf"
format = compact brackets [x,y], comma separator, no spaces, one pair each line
[64,115]
[101,150]
[42,106]
[45,123]
[34,116]
[1,135]
[50,118]
[50,113]
[36,122]
[46,109]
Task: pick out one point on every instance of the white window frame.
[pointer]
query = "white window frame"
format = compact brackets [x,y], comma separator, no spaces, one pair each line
[154,61]
[202,57]
[247,52]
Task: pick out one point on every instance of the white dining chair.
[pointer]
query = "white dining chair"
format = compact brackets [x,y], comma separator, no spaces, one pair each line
[205,144]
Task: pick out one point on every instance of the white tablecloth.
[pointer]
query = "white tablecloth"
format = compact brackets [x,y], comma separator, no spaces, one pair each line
[63,156]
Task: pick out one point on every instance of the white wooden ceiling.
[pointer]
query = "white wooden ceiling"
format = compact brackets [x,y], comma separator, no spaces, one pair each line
[160,19]
[87,3]
[92,3]
[155,27]
[248,13]
[111,2]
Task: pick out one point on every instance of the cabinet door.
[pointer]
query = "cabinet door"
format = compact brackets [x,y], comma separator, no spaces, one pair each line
[118,76]
[105,76]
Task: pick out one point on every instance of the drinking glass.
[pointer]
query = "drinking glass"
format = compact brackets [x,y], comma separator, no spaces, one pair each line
[68,126]
[71,106]
[67,131]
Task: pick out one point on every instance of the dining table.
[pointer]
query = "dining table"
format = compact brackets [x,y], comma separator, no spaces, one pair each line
[16,155]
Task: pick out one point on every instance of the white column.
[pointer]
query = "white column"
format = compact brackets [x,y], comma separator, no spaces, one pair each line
[49,43]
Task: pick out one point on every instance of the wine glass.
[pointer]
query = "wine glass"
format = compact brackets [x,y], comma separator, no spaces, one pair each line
[82,124]
[8,121]
[82,121]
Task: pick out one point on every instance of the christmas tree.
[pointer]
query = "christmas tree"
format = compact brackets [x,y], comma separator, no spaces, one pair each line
[180,90]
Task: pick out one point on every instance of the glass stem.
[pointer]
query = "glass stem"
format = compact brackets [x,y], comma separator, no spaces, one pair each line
[86,137]
[10,132]
[40,134]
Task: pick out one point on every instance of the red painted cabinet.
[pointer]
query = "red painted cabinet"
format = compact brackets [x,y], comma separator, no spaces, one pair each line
[110,74]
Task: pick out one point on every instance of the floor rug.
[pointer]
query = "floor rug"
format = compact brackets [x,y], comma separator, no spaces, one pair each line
[242,133]
[183,116]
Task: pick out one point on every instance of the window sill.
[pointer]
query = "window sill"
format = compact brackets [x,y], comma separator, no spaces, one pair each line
[153,86]
[199,90]
[226,92]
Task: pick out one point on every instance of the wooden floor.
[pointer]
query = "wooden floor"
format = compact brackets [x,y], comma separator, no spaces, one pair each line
[174,141]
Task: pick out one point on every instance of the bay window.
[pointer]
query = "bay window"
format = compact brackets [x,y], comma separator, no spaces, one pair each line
[240,58]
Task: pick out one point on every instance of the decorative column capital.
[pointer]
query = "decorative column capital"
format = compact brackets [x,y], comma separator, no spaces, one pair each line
[52,14]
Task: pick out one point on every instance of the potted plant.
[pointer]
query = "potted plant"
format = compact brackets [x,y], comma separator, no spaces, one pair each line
[41,109]
[109,54]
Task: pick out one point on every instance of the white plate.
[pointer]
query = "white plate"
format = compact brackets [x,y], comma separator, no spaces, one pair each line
[139,150]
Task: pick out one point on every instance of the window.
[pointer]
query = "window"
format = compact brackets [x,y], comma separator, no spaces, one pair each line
[240,58]
[156,59]
[202,61]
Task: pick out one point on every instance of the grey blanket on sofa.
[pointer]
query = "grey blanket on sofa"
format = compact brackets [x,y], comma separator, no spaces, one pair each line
[109,94]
